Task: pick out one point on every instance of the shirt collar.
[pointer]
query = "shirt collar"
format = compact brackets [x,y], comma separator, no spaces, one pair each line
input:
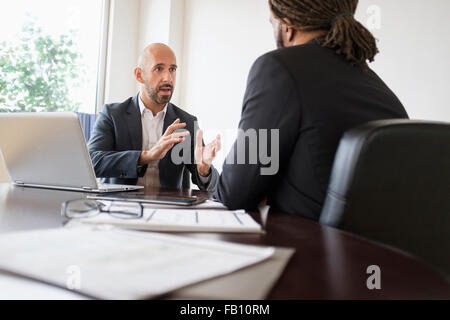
[144,109]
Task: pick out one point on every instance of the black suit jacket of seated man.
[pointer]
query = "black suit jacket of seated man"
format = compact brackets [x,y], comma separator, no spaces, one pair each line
[116,145]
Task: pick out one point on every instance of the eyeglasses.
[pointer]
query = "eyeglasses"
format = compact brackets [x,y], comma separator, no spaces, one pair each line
[80,209]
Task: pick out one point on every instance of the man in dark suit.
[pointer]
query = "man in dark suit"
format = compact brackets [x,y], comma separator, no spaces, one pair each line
[309,92]
[146,140]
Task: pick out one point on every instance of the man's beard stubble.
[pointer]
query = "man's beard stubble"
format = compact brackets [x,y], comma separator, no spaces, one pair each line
[153,94]
[280,43]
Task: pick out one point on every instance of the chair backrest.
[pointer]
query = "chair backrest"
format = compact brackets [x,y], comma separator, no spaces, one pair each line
[391,183]
[87,123]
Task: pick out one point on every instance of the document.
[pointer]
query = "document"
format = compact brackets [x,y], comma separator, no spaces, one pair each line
[121,264]
[181,220]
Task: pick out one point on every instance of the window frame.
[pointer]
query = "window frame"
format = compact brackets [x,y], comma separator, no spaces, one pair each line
[103,56]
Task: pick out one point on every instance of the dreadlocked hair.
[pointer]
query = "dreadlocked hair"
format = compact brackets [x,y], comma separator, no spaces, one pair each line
[344,34]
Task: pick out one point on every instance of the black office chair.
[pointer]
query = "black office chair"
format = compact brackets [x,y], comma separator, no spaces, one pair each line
[391,183]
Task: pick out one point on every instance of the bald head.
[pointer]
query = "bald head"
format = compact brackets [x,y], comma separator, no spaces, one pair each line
[154,52]
[156,72]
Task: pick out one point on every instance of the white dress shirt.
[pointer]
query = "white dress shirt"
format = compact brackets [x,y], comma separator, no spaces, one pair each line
[152,131]
[152,127]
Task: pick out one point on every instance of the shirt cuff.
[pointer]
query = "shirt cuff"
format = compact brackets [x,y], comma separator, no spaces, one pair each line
[205,180]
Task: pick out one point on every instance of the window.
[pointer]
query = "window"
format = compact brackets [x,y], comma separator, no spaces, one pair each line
[49,56]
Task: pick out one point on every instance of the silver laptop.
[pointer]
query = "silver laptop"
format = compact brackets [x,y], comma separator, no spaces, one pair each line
[48,150]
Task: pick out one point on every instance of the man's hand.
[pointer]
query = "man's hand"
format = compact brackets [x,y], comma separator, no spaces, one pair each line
[167,141]
[204,156]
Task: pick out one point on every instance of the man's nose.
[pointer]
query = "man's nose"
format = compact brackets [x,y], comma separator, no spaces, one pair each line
[168,77]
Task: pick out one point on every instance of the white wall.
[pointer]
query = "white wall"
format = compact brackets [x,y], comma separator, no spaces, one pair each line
[122,50]
[133,25]
[221,41]
[153,22]
[163,21]
[414,45]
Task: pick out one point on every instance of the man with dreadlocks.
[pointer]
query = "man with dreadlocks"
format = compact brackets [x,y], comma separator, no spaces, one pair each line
[315,87]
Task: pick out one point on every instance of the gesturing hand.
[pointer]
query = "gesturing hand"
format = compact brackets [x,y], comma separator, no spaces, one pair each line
[167,141]
[204,156]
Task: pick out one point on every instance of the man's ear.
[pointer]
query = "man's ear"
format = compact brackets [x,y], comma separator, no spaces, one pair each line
[138,75]
[290,31]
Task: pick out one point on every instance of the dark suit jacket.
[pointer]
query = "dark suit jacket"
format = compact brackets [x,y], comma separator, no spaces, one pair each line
[116,145]
[312,95]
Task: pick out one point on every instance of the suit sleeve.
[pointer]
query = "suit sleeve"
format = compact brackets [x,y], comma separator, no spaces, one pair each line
[107,162]
[267,133]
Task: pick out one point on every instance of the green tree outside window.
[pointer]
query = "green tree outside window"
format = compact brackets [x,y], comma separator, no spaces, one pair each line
[38,71]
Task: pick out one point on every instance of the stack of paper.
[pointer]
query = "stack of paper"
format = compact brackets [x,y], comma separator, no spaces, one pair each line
[119,264]
[181,220]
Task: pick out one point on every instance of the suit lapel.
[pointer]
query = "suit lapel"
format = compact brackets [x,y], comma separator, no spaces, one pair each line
[135,124]
[170,117]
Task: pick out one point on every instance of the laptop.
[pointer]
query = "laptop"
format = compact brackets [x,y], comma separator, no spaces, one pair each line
[48,150]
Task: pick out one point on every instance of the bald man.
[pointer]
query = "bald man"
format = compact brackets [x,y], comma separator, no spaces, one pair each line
[148,141]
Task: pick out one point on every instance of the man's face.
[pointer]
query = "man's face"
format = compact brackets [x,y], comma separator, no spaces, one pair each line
[159,76]
[277,32]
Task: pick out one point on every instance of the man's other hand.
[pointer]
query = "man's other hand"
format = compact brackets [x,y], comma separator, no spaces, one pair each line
[204,155]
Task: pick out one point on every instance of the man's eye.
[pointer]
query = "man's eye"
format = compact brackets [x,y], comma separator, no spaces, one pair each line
[158,69]
[173,69]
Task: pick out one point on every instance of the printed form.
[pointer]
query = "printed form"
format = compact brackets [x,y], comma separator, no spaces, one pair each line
[181,220]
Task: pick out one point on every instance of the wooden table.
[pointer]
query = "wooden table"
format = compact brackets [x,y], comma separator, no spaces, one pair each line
[328,263]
